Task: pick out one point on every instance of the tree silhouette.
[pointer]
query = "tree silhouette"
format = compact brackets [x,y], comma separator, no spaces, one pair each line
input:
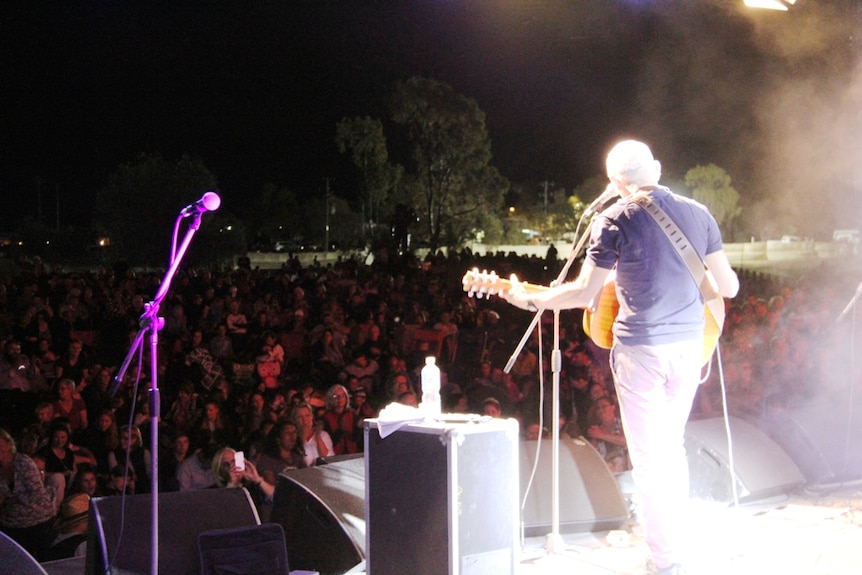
[710,185]
[140,203]
[364,140]
[451,184]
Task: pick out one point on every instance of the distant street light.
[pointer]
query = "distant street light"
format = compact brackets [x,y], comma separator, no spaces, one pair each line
[770,4]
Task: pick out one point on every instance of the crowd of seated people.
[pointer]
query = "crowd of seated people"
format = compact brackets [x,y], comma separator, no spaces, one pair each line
[286,365]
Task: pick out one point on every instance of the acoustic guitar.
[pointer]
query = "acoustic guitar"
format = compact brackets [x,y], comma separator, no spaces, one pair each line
[599,318]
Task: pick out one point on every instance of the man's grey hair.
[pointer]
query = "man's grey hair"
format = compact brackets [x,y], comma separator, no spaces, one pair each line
[633,162]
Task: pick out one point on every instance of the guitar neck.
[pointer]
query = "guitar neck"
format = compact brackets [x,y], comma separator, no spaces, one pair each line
[485,284]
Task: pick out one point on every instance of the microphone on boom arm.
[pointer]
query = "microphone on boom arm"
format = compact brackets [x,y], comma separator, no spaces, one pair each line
[610,192]
[209,202]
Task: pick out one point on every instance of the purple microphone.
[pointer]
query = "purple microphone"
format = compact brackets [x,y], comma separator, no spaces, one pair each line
[208,203]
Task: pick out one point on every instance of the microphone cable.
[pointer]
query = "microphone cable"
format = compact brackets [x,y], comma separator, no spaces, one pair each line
[726,416]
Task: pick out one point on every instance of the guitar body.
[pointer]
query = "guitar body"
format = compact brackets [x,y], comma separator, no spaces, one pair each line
[598,324]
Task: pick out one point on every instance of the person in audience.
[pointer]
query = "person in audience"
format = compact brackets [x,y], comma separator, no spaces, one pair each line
[327,355]
[456,402]
[195,471]
[102,439]
[597,391]
[376,345]
[409,398]
[279,405]
[185,410]
[200,358]
[283,451]
[399,383]
[271,349]
[54,482]
[86,481]
[74,364]
[491,408]
[362,410]
[214,419]
[70,406]
[227,474]
[45,358]
[37,434]
[132,451]
[60,454]
[27,507]
[533,431]
[170,460]
[339,421]
[606,434]
[316,442]
[255,414]
[71,529]
[237,325]
[579,387]
[121,481]
[16,371]
[527,362]
[221,347]
[254,444]
[363,369]
[176,323]
[96,393]
[450,339]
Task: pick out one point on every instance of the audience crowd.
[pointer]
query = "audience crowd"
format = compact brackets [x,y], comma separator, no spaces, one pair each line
[285,365]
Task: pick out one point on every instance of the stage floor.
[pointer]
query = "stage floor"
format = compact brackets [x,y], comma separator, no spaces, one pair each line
[806,533]
[811,532]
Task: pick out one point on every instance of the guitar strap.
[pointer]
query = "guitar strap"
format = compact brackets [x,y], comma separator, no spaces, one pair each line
[696,267]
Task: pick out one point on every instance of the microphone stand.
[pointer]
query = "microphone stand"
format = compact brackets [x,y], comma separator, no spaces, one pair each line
[151,323]
[851,305]
[555,541]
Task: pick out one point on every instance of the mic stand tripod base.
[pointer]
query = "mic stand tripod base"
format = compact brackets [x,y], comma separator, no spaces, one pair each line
[554,544]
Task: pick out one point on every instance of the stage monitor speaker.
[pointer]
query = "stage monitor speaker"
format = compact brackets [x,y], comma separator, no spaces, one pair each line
[442,498]
[251,550]
[120,529]
[761,466]
[16,560]
[822,438]
[590,498]
[322,511]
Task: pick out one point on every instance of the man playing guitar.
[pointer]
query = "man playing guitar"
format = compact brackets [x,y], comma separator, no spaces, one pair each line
[657,348]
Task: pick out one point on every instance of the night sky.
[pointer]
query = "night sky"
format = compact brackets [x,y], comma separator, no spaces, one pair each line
[255,89]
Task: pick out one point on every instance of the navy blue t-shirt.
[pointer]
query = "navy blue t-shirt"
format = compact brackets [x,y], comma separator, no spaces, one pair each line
[659,301]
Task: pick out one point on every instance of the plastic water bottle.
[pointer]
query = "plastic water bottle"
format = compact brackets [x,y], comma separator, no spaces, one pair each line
[431,404]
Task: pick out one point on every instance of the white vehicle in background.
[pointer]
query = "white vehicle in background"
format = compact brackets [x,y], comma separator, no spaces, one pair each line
[849,236]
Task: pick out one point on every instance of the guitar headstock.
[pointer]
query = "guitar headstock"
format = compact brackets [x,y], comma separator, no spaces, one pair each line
[484,283]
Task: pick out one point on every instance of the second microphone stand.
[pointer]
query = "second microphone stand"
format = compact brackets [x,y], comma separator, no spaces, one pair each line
[555,541]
